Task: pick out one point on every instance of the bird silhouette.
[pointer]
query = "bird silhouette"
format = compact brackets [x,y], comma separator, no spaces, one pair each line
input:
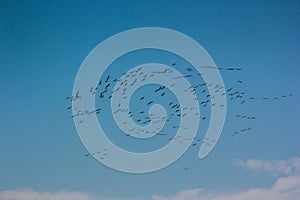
[107,79]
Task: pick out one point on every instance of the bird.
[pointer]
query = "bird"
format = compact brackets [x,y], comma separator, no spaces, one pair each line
[77,95]
[150,102]
[107,78]
[107,86]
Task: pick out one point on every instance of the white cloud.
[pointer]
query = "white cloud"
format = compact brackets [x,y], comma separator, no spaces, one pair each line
[286,188]
[33,195]
[186,195]
[286,167]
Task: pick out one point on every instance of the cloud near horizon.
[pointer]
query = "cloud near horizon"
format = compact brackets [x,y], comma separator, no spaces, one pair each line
[275,167]
[285,188]
[28,194]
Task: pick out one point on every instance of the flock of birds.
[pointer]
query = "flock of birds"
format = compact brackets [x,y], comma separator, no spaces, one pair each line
[204,92]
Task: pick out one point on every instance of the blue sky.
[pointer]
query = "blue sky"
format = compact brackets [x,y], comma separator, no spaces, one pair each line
[44,43]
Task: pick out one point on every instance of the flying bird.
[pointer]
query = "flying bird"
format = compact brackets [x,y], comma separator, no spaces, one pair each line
[107,79]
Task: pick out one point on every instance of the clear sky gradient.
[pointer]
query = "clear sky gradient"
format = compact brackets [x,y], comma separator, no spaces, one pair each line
[42,45]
